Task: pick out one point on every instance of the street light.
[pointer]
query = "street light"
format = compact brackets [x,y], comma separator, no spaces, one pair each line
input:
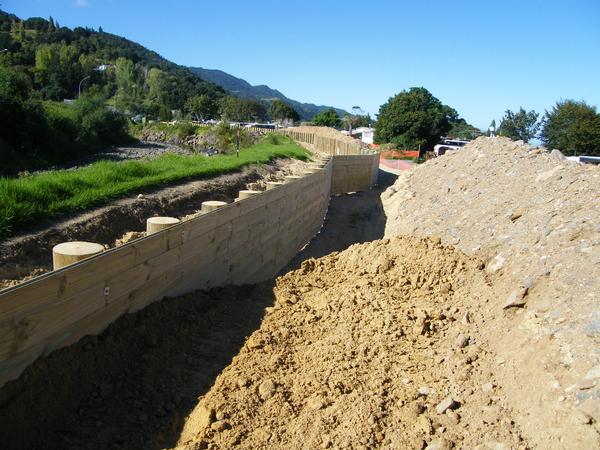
[80,83]
[100,68]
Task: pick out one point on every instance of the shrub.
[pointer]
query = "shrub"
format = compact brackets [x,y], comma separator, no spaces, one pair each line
[276,139]
[185,129]
[227,137]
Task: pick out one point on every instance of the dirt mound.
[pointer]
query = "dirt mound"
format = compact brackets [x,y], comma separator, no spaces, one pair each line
[374,347]
[323,131]
[533,217]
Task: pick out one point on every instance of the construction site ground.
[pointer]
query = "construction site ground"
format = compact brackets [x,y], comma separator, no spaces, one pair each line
[457,310]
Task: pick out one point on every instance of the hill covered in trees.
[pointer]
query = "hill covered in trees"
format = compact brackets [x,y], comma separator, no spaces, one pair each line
[57,58]
[263,93]
[105,79]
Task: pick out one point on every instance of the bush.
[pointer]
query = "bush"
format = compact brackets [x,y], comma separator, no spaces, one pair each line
[276,139]
[96,125]
[227,137]
[185,129]
[572,127]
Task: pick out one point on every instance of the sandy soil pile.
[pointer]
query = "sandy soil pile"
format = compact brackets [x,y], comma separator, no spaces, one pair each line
[374,347]
[534,218]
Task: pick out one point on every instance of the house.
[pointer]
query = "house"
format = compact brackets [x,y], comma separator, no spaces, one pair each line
[365,134]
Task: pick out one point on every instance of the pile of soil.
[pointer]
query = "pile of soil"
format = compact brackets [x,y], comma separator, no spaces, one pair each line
[534,218]
[378,346]
[325,132]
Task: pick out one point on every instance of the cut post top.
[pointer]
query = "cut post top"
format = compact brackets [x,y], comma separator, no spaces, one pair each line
[71,252]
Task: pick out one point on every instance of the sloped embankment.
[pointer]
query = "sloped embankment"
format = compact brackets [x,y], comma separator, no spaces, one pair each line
[374,347]
[534,218]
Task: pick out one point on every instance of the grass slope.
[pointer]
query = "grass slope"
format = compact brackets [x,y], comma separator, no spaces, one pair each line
[23,200]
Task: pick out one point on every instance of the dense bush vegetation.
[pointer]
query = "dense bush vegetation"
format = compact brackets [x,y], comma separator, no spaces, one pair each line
[34,134]
[573,127]
[413,118]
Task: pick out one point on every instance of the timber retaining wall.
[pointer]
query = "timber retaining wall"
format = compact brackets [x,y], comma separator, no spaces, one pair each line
[240,243]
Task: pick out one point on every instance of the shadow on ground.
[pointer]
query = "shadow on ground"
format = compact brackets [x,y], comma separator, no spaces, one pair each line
[351,219]
[133,386]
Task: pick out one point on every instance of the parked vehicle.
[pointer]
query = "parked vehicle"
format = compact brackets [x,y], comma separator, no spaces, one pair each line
[448,144]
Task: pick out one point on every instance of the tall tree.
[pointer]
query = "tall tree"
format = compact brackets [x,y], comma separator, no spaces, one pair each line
[522,125]
[125,80]
[327,118]
[461,129]
[413,118]
[242,109]
[572,127]
[202,107]
[51,26]
[281,111]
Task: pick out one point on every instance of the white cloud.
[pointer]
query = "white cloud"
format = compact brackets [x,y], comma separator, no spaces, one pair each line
[81,3]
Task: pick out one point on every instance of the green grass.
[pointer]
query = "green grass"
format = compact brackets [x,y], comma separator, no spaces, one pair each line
[23,200]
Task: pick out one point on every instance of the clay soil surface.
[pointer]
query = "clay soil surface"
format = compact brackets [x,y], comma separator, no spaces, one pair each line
[374,347]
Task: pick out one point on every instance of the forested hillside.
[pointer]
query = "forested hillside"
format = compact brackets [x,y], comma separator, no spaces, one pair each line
[57,58]
[108,77]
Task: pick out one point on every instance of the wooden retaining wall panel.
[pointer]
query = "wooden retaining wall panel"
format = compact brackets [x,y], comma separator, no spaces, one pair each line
[243,242]
[352,173]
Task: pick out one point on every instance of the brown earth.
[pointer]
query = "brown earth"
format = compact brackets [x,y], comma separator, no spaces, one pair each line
[534,218]
[134,385]
[403,342]
[375,347]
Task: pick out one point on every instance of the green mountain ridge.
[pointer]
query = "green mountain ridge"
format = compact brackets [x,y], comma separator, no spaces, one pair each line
[241,88]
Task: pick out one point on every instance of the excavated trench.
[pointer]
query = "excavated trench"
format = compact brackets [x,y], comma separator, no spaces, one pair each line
[134,385]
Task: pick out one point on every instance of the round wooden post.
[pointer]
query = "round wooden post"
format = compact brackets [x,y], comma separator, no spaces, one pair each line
[72,252]
[156,224]
[211,205]
[273,184]
[247,193]
[290,178]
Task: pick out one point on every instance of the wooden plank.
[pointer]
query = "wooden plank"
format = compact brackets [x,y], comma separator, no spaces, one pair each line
[34,328]
[30,296]
[91,324]
[237,243]
[12,368]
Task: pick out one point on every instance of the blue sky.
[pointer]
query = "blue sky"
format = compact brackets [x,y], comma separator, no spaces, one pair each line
[479,57]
